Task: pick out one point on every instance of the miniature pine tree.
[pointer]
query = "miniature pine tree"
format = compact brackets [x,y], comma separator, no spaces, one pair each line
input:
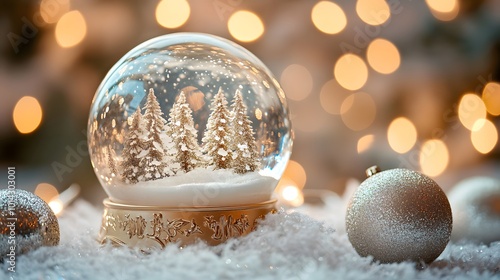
[245,157]
[133,147]
[111,162]
[187,152]
[217,136]
[153,159]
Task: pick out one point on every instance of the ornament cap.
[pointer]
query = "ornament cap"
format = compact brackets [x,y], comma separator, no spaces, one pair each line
[372,170]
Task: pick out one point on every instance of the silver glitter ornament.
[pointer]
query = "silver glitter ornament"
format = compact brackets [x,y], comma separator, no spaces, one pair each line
[26,223]
[399,215]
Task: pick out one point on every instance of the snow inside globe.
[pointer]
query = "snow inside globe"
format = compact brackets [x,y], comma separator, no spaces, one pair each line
[189,119]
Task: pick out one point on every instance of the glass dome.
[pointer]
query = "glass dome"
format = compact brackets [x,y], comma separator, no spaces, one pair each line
[189,119]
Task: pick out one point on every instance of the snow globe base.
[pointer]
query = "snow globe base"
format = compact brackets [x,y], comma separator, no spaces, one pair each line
[153,227]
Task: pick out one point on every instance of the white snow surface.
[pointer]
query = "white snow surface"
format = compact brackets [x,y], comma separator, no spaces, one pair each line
[199,187]
[286,245]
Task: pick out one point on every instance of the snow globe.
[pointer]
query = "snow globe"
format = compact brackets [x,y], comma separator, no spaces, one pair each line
[189,135]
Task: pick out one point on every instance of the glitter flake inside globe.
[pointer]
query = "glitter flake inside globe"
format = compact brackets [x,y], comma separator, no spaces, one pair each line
[189,119]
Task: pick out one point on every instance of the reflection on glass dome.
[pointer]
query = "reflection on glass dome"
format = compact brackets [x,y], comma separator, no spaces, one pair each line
[189,119]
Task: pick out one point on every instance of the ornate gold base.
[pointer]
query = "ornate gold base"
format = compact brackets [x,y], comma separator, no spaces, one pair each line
[150,227]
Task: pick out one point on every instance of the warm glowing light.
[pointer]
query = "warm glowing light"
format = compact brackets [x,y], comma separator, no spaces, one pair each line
[172,13]
[491,98]
[51,11]
[401,135]
[471,109]
[358,111]
[444,10]
[331,97]
[383,56]
[46,191]
[27,114]
[365,142]
[484,136]
[295,172]
[297,82]
[245,26]
[70,29]
[56,205]
[328,17]
[434,157]
[292,195]
[351,72]
[373,12]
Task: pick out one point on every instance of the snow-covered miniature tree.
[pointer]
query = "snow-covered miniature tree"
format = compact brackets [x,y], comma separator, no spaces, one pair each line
[132,148]
[186,151]
[245,157]
[111,162]
[153,155]
[217,138]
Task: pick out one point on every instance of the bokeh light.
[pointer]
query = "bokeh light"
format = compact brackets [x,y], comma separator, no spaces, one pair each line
[297,82]
[444,10]
[365,143]
[172,13]
[46,191]
[328,17]
[245,26]
[56,205]
[71,29]
[383,56]
[27,114]
[484,136]
[295,172]
[402,135]
[331,97]
[434,157]
[470,109]
[491,98]
[351,72]
[292,195]
[51,11]
[373,12]
[358,111]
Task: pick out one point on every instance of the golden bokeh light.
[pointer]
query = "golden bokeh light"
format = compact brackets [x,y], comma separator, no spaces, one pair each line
[470,109]
[27,114]
[373,12]
[444,10]
[491,98]
[484,136]
[328,17]
[365,143]
[71,29]
[402,135]
[297,82]
[292,195]
[331,97]
[351,72]
[172,13]
[51,11]
[245,26]
[46,192]
[434,157]
[295,172]
[383,56]
[56,205]
[358,111]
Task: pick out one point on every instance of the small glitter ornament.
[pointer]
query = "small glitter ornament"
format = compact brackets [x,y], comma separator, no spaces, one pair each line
[476,210]
[26,223]
[399,215]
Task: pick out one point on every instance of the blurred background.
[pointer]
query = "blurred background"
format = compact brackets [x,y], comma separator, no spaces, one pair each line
[397,83]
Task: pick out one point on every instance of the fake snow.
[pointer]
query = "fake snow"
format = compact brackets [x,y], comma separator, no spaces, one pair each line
[199,187]
[222,152]
[286,245]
